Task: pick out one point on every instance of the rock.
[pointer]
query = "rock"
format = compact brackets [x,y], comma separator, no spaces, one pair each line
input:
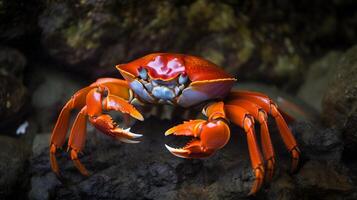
[328,181]
[15,25]
[41,184]
[283,188]
[318,143]
[142,171]
[148,171]
[12,62]
[54,89]
[318,76]
[13,154]
[40,143]
[13,96]
[340,100]
[93,36]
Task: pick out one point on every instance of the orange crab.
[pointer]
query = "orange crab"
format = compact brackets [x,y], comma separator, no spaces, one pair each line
[179,80]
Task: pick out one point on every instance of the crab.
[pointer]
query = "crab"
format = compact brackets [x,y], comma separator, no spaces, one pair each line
[179,80]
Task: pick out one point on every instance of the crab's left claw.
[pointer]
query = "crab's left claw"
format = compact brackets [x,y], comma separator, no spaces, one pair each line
[208,137]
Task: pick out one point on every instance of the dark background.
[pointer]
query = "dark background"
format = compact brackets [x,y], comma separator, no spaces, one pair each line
[302,51]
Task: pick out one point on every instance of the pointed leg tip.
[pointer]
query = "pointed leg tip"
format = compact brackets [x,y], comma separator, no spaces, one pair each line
[256,187]
[81,168]
[258,182]
[269,170]
[57,173]
[295,154]
[85,173]
[294,166]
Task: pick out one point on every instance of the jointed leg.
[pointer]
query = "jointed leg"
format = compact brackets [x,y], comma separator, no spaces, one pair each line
[242,118]
[270,107]
[77,139]
[59,133]
[104,94]
[261,116]
[287,137]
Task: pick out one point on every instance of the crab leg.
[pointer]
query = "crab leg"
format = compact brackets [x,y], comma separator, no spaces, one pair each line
[59,133]
[77,139]
[104,94]
[270,107]
[261,116]
[242,118]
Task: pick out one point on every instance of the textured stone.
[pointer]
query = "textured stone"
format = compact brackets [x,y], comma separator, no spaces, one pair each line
[148,171]
[13,155]
[317,78]
[93,36]
[52,92]
[318,143]
[340,100]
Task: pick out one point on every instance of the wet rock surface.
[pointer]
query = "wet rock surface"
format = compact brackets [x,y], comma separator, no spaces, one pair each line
[52,89]
[13,156]
[93,36]
[340,100]
[292,51]
[142,171]
[319,143]
[13,94]
[317,79]
[148,171]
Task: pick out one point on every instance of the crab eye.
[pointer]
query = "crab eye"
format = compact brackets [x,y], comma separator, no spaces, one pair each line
[143,73]
[183,78]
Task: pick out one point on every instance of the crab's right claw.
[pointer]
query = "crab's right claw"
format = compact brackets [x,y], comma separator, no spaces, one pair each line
[208,137]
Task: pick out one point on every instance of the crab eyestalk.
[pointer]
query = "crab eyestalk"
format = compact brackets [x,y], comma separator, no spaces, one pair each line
[208,137]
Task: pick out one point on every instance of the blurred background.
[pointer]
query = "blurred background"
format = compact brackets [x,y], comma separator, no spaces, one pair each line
[298,52]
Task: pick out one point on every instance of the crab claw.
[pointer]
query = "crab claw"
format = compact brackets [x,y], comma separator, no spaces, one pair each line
[209,136]
[105,124]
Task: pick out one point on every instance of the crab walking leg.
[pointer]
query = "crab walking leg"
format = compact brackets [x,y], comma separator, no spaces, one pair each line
[93,108]
[261,116]
[103,122]
[59,132]
[269,106]
[242,118]
[90,101]
[77,139]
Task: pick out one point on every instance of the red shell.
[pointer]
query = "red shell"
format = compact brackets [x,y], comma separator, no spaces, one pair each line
[167,66]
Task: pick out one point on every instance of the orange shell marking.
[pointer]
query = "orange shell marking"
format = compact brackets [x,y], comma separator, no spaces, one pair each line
[166,66]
